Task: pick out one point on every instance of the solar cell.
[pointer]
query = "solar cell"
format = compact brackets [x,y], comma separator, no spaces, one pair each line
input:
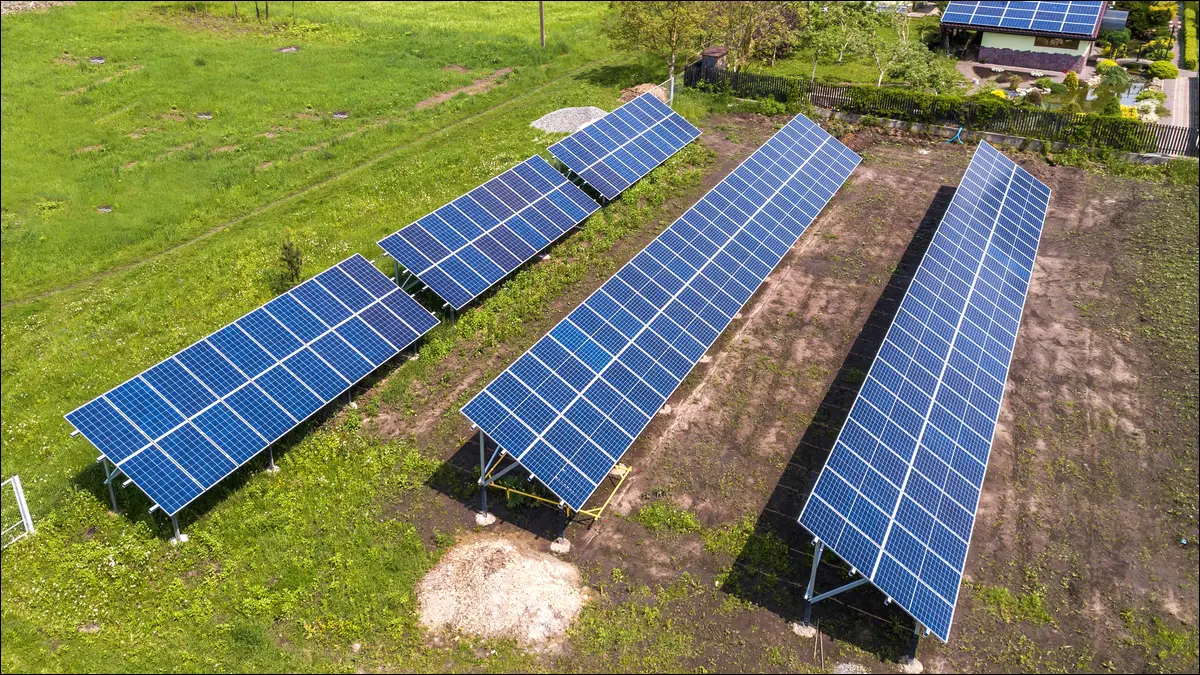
[617,150]
[1074,19]
[183,425]
[570,407]
[897,497]
[463,248]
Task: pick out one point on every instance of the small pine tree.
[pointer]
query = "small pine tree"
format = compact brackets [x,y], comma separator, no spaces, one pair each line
[289,255]
[1112,108]
[1014,81]
[1072,81]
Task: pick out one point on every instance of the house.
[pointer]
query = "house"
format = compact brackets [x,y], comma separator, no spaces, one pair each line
[1049,36]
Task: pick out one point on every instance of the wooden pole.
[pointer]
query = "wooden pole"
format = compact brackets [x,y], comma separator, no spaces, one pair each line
[235,12]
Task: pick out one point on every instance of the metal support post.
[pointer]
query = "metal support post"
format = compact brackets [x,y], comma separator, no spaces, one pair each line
[916,639]
[482,468]
[179,537]
[22,506]
[562,523]
[812,580]
[671,98]
[841,589]
[112,494]
[271,460]
[396,271]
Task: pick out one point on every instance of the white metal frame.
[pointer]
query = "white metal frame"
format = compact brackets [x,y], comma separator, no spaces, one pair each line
[26,521]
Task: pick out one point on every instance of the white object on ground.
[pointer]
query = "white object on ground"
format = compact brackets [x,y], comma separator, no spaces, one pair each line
[568,120]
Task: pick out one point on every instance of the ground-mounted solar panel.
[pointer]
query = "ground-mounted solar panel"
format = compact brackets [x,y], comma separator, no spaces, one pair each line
[897,497]
[569,408]
[463,248]
[1071,19]
[183,425]
[620,148]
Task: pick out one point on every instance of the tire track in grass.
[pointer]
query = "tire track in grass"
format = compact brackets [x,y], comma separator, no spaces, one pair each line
[292,196]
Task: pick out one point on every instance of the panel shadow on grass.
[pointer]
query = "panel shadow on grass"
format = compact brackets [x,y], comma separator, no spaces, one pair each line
[763,572]
[626,74]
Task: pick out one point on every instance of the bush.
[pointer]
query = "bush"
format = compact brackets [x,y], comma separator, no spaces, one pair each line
[1044,83]
[1104,65]
[1147,94]
[1163,70]
[1115,78]
[769,106]
[1014,81]
[999,93]
[1072,81]
[1112,108]
[1190,64]
[1034,96]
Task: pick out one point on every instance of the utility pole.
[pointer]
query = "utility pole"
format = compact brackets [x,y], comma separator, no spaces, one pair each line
[542,19]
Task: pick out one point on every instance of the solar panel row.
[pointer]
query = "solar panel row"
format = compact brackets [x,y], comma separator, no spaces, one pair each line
[897,497]
[620,148]
[464,247]
[183,425]
[1068,18]
[571,406]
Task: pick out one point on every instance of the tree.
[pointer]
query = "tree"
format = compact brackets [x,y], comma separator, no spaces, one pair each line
[888,50]
[818,32]
[849,21]
[665,29]
[291,261]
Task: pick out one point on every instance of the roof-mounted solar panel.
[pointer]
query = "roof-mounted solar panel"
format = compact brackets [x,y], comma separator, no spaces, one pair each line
[466,246]
[183,425]
[1079,20]
[569,408]
[620,148]
[897,497]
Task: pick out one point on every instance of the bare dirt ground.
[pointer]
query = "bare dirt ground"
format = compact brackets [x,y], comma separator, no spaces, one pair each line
[1075,563]
[479,86]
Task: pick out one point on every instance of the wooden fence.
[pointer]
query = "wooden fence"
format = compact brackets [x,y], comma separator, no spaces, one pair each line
[997,117]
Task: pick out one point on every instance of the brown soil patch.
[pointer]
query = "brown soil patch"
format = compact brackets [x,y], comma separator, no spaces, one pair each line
[479,86]
[264,166]
[1072,503]
[501,588]
[455,68]
[307,116]
[631,93]
[172,116]
[104,80]
[223,149]
[89,148]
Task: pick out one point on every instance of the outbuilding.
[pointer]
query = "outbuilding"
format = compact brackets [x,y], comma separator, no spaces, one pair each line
[1049,36]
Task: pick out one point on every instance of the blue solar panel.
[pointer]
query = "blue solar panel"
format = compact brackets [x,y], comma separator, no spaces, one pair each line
[620,148]
[463,248]
[897,496]
[1076,19]
[570,407]
[183,425]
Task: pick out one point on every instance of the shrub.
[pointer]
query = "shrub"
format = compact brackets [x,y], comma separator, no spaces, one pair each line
[1034,96]
[1014,81]
[769,106]
[1128,112]
[1116,78]
[1044,83]
[999,93]
[1147,94]
[1190,64]
[1072,81]
[1112,108]
[1056,88]
[1104,65]
[1163,70]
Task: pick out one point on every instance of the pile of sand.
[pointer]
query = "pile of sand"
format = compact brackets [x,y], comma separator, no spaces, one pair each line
[494,588]
[631,93]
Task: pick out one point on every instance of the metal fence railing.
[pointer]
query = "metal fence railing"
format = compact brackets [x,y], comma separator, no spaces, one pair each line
[15,512]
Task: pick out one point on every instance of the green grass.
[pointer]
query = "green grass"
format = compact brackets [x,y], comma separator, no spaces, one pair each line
[665,519]
[68,124]
[1004,605]
[858,69]
[1191,48]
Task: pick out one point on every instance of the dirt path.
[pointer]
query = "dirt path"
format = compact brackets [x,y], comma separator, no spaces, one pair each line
[480,86]
[293,196]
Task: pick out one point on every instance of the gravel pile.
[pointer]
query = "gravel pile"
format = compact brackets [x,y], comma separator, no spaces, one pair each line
[568,120]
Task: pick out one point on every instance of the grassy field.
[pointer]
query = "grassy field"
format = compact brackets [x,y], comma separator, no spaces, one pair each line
[314,568]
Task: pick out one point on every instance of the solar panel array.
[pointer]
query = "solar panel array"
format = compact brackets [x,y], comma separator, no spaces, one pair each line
[570,407]
[183,425]
[463,248]
[897,497]
[623,146]
[1077,19]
